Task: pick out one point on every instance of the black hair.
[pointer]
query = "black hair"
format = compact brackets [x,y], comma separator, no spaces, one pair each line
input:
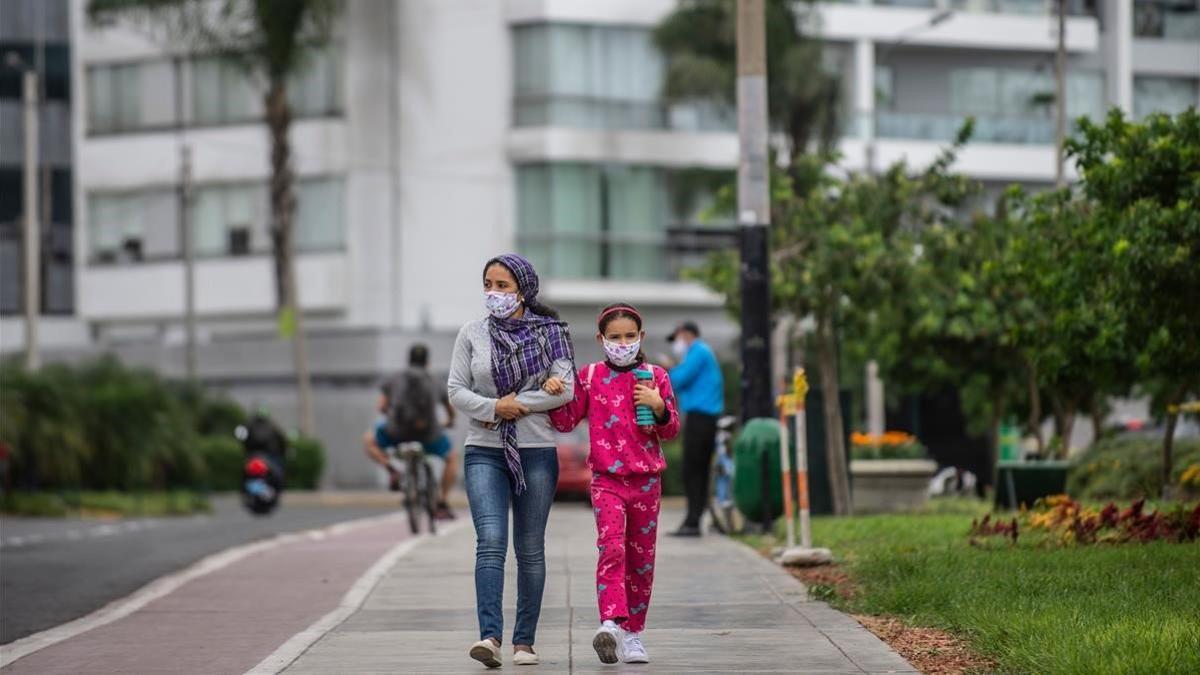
[418,355]
[622,312]
[535,306]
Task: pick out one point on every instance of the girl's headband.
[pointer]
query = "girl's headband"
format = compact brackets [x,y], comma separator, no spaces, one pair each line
[618,308]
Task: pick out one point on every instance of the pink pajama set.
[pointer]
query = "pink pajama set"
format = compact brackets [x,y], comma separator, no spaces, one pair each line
[627,466]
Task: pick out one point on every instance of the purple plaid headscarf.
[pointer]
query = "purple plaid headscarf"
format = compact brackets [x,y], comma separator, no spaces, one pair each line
[521,349]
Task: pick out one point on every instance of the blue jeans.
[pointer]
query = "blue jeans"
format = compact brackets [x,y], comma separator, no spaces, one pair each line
[490,491]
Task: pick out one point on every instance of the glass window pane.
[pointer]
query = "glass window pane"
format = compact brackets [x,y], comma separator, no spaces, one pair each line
[1171,95]
[156,94]
[160,237]
[129,88]
[102,114]
[319,209]
[974,91]
[241,98]
[208,221]
[206,90]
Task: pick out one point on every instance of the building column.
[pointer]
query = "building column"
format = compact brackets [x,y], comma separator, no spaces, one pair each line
[1118,54]
[864,93]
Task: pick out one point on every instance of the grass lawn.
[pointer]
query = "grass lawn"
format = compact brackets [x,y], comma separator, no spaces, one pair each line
[104,504]
[1132,608]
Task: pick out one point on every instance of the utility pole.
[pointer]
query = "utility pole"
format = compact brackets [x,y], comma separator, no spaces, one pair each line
[32,243]
[1060,95]
[754,209]
[189,258]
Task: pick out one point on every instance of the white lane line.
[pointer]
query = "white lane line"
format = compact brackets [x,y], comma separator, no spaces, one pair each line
[164,585]
[105,530]
[299,643]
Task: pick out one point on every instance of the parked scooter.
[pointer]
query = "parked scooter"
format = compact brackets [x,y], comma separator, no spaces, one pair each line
[265,449]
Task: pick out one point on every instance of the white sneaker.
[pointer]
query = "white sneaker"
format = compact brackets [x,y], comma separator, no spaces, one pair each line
[525,659]
[608,636]
[632,650]
[487,653]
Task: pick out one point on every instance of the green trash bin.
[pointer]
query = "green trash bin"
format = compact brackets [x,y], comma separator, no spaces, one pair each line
[756,457]
[1020,483]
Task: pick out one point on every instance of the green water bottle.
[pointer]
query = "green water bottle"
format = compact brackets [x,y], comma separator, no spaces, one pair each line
[645,416]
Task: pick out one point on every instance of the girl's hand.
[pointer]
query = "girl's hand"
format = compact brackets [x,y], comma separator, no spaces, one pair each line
[510,409]
[649,396]
[554,386]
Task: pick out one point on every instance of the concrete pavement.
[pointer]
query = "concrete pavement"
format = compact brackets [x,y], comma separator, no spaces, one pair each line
[717,608]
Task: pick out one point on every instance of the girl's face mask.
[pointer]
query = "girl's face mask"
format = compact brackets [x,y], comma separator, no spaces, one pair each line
[622,354]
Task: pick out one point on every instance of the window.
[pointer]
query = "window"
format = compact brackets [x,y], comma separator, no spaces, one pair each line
[1017,106]
[1167,19]
[222,214]
[320,206]
[132,96]
[587,76]
[222,93]
[134,226]
[1171,95]
[314,91]
[589,221]
[231,219]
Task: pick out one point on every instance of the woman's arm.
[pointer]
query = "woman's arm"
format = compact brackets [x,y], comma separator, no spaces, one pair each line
[458,384]
[539,401]
[568,416]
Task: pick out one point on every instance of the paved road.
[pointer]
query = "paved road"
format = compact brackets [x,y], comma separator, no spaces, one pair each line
[53,571]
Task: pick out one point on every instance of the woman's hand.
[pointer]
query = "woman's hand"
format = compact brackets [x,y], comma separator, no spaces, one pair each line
[510,408]
[554,386]
[649,396]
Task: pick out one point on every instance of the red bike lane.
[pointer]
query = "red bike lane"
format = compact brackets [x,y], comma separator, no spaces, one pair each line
[230,619]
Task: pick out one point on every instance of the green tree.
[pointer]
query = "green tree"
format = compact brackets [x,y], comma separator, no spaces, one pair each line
[270,39]
[1143,180]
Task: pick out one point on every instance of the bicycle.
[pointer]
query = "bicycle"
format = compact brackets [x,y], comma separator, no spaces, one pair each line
[725,517]
[418,484]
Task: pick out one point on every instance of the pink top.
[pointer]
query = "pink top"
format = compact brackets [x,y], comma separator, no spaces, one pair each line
[619,447]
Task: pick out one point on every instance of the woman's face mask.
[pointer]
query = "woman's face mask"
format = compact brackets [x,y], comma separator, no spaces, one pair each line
[500,304]
[622,354]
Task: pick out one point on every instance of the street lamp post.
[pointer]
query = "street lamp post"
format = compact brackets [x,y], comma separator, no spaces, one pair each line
[31,236]
[754,209]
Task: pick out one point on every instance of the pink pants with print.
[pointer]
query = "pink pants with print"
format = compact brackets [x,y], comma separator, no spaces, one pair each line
[626,509]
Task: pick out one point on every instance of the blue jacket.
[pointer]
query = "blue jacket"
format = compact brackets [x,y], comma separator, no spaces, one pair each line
[698,382]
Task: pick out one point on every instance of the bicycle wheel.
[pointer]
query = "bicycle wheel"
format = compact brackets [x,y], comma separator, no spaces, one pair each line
[412,494]
[430,497]
[716,511]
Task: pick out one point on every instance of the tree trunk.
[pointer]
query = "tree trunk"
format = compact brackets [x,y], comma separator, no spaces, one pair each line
[1096,408]
[283,210]
[994,434]
[1169,441]
[835,445]
[1035,407]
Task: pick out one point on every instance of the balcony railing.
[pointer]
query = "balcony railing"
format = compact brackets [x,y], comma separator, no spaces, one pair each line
[942,127]
[1032,7]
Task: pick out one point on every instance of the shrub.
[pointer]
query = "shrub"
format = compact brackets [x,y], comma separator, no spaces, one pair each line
[222,458]
[673,476]
[306,460]
[1127,468]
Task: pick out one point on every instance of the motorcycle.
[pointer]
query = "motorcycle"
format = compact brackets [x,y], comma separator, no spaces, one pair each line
[262,475]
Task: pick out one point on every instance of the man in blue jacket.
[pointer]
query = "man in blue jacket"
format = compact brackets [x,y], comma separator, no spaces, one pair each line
[700,390]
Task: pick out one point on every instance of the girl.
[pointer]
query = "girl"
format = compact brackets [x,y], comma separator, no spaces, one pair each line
[627,464]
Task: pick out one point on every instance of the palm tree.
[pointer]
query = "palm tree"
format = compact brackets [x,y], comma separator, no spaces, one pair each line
[269,39]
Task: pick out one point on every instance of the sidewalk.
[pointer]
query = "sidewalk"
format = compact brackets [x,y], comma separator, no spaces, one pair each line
[717,607]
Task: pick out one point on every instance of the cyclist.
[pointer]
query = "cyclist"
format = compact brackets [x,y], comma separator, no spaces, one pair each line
[407,413]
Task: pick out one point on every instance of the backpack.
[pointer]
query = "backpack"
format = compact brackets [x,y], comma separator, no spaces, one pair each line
[411,403]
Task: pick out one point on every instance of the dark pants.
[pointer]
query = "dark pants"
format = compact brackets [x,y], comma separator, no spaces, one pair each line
[699,444]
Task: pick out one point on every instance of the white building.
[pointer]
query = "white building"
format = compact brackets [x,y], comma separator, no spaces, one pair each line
[435,133]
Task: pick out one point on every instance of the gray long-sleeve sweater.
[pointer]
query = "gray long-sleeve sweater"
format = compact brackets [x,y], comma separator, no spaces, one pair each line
[473,392]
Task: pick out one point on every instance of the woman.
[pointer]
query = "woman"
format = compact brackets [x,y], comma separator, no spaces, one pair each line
[499,365]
